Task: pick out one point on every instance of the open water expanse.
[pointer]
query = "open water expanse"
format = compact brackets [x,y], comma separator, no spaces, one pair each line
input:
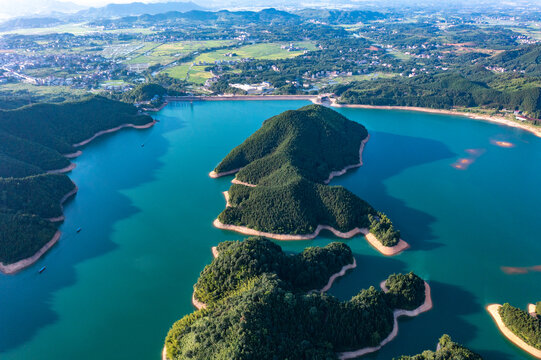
[113,290]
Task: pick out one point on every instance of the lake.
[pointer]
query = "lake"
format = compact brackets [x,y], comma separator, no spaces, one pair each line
[464,193]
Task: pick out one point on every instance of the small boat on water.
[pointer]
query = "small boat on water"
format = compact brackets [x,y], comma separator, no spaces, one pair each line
[79,230]
[42,269]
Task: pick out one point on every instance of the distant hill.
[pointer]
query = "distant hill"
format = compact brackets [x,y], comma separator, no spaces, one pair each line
[340,16]
[223,16]
[136,9]
[31,22]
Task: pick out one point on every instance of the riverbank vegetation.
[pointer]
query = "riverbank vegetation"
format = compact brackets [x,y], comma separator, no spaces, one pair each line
[32,141]
[446,350]
[289,159]
[522,324]
[269,316]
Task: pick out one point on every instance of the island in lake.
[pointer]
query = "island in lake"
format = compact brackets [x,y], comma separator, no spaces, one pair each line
[281,186]
[255,301]
[522,328]
[36,143]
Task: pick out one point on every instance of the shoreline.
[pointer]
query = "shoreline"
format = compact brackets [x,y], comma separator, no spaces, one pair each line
[213,174]
[426,306]
[112,130]
[73,155]
[334,174]
[196,303]
[493,119]
[337,275]
[24,263]
[21,264]
[62,201]
[63,170]
[493,310]
[385,250]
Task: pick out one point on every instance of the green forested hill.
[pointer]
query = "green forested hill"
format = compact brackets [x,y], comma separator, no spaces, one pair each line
[241,261]
[527,59]
[289,158]
[522,324]
[58,126]
[267,316]
[447,350]
[442,91]
[32,139]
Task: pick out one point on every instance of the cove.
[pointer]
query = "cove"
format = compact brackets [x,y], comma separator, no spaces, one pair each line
[114,289]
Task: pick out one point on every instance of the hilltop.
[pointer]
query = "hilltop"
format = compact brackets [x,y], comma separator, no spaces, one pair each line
[283,171]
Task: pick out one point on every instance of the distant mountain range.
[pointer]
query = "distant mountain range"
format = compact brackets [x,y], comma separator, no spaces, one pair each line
[136,9]
[64,12]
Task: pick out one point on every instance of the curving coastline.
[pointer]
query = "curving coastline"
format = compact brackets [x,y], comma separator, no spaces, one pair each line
[62,201]
[493,310]
[103,132]
[427,305]
[385,250]
[73,155]
[335,276]
[349,167]
[213,174]
[63,170]
[21,264]
[494,119]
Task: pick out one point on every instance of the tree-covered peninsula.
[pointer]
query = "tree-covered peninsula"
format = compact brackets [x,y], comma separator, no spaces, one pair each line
[258,306]
[34,142]
[446,350]
[522,328]
[522,324]
[282,175]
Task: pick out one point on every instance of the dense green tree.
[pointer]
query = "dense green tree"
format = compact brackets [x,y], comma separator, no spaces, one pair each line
[289,159]
[447,350]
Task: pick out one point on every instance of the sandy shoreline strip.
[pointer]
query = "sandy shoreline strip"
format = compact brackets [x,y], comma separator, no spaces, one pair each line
[63,170]
[213,174]
[21,264]
[103,132]
[335,276]
[73,155]
[385,250]
[493,119]
[349,167]
[427,305]
[493,310]
[62,201]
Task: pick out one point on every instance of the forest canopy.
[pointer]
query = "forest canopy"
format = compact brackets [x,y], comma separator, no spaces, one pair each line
[289,159]
[263,311]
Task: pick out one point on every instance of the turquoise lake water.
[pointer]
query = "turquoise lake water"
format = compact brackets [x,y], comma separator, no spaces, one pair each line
[113,290]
